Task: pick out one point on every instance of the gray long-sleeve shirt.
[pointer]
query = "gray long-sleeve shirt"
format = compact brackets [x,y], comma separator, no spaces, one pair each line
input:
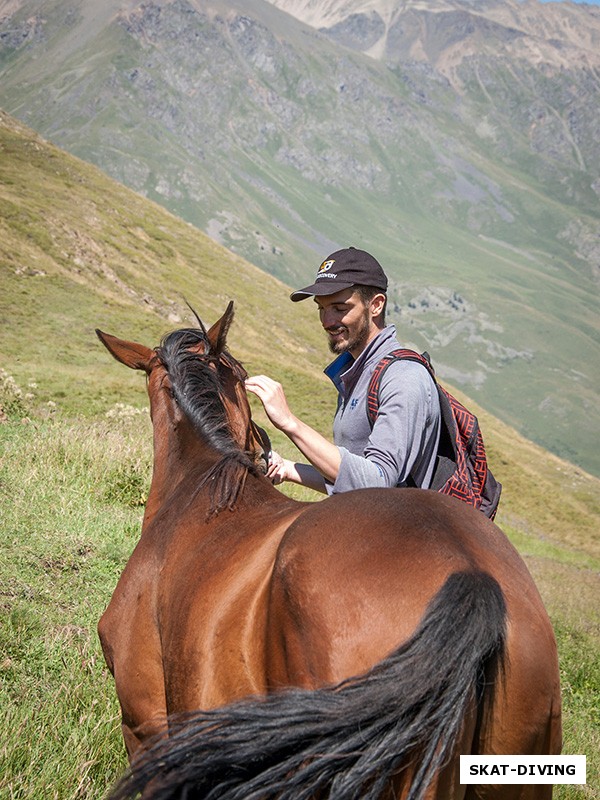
[405,436]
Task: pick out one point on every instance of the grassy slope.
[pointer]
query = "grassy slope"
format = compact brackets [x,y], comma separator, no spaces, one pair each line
[79,252]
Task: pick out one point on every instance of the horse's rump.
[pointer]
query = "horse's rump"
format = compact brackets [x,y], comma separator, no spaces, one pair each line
[353,739]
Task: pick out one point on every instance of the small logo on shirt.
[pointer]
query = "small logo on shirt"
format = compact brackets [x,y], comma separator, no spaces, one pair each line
[353,403]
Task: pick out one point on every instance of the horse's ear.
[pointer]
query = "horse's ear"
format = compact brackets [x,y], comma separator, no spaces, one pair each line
[217,335]
[136,356]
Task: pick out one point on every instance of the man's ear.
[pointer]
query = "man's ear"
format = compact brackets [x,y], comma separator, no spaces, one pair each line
[377,304]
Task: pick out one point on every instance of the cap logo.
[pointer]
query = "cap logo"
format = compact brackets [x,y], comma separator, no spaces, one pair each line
[326,265]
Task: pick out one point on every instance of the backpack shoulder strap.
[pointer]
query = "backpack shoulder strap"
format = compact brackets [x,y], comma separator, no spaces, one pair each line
[402,354]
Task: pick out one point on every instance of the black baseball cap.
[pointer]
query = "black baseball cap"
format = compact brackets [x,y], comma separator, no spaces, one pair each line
[343,269]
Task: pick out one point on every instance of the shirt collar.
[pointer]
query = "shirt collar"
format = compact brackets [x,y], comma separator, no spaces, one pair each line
[336,369]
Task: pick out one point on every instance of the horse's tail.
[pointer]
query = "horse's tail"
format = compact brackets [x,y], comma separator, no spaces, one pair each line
[348,741]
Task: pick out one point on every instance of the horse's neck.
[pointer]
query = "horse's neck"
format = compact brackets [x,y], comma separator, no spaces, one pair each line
[175,457]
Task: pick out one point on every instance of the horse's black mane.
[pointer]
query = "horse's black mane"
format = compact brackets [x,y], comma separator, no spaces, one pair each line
[197,388]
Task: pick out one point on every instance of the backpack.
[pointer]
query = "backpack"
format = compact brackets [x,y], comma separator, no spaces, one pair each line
[461,468]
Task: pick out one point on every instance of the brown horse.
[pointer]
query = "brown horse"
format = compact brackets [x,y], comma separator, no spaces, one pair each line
[350,648]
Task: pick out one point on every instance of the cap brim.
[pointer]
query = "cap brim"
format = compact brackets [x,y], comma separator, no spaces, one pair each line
[319,289]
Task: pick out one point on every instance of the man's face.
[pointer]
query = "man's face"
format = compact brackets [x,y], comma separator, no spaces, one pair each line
[347,321]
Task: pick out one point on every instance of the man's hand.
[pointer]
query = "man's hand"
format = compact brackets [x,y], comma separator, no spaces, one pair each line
[272,396]
[323,455]
[283,469]
[278,469]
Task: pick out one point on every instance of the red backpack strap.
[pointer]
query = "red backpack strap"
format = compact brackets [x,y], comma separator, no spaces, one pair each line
[396,355]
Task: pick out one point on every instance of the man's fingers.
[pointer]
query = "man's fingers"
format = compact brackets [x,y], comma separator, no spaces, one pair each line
[262,383]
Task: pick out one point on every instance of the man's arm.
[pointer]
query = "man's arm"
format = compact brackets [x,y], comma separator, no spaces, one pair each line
[322,454]
[283,469]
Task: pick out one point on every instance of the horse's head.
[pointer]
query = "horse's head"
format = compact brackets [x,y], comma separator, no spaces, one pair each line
[232,375]
[196,389]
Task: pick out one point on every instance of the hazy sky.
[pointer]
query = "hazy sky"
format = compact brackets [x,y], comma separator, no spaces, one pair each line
[587,2]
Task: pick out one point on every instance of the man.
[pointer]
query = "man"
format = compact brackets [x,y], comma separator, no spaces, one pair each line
[400,449]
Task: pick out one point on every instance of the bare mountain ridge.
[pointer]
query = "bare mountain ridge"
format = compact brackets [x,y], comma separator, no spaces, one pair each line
[479,182]
[445,33]
[460,41]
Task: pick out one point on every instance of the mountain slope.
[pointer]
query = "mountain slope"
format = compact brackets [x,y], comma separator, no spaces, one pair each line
[78,251]
[461,154]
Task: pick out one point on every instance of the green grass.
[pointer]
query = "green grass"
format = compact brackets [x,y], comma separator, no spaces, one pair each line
[67,529]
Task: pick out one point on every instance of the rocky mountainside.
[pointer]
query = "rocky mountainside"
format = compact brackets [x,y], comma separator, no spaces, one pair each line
[457,141]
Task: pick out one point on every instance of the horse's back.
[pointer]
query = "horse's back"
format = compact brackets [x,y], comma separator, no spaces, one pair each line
[353,575]
[365,543]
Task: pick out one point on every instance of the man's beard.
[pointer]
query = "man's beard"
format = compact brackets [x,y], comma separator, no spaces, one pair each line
[356,339]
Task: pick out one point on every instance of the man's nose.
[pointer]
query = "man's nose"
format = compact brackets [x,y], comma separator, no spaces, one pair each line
[328,318]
